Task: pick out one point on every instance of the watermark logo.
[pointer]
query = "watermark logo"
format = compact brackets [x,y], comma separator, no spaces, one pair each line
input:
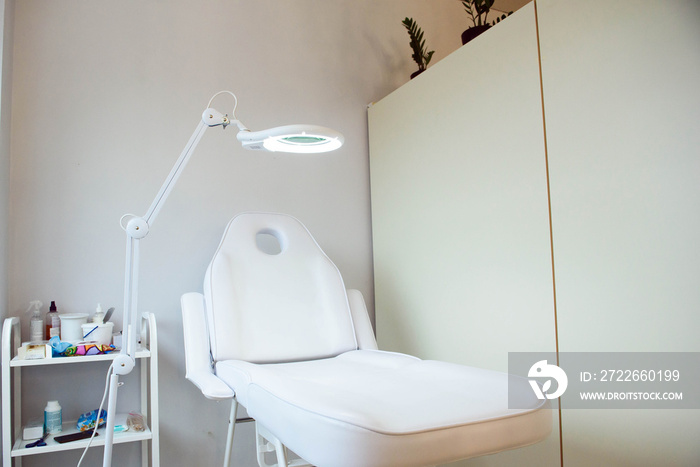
[604,380]
[542,369]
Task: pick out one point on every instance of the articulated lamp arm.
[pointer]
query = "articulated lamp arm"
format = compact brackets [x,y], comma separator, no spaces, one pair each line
[137,228]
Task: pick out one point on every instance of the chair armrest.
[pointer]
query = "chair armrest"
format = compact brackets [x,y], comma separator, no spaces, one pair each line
[197,358]
[360,318]
[210,385]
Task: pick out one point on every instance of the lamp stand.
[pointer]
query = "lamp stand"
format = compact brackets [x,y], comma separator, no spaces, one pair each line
[290,138]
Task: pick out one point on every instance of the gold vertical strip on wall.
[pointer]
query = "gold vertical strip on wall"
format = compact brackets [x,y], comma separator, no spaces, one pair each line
[551,231]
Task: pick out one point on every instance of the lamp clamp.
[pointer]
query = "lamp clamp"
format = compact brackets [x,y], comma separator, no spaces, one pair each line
[123,364]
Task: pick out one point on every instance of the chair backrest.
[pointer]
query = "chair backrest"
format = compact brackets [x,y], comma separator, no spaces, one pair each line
[288,305]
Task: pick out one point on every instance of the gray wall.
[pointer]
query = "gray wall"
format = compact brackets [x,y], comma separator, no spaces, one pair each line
[106,95]
[6,26]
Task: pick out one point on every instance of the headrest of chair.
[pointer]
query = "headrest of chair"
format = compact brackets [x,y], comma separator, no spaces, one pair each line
[273,295]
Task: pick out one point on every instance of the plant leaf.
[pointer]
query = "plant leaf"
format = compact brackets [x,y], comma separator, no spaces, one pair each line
[417,43]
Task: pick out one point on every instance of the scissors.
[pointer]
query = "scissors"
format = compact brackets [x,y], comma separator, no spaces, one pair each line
[38,442]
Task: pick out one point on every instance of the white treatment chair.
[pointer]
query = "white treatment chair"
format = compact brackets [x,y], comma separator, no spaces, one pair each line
[278,333]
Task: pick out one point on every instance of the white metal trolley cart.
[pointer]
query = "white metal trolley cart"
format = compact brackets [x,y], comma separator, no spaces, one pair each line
[14,447]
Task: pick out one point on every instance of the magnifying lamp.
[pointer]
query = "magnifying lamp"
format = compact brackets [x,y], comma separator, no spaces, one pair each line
[290,138]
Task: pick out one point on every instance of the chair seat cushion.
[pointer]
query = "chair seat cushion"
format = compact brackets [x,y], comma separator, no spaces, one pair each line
[375,408]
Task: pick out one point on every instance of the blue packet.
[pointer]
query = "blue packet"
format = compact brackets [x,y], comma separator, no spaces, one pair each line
[58,346]
[87,420]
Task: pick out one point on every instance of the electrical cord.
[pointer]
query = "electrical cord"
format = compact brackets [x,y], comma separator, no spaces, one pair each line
[121,220]
[99,411]
[235,102]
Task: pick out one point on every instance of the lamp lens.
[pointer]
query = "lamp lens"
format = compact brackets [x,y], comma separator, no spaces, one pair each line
[303,139]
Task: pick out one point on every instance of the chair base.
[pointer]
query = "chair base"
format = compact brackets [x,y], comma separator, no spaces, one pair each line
[265,442]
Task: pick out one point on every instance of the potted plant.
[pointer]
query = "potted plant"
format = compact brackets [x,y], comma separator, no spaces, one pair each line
[478,11]
[420,56]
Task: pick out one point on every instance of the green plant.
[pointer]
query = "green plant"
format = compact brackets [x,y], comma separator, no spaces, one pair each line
[478,11]
[420,56]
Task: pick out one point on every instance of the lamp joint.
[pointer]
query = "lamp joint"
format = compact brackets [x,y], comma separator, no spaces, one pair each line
[137,227]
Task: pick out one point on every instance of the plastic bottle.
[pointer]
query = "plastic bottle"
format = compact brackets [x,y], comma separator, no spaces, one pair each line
[53,322]
[99,316]
[36,324]
[53,418]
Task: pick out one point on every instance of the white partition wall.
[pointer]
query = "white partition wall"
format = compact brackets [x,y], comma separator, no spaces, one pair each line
[459,205]
[623,107]
[469,265]
[459,212]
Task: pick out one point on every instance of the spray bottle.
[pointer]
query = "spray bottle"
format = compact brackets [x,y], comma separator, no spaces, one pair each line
[36,324]
[99,316]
